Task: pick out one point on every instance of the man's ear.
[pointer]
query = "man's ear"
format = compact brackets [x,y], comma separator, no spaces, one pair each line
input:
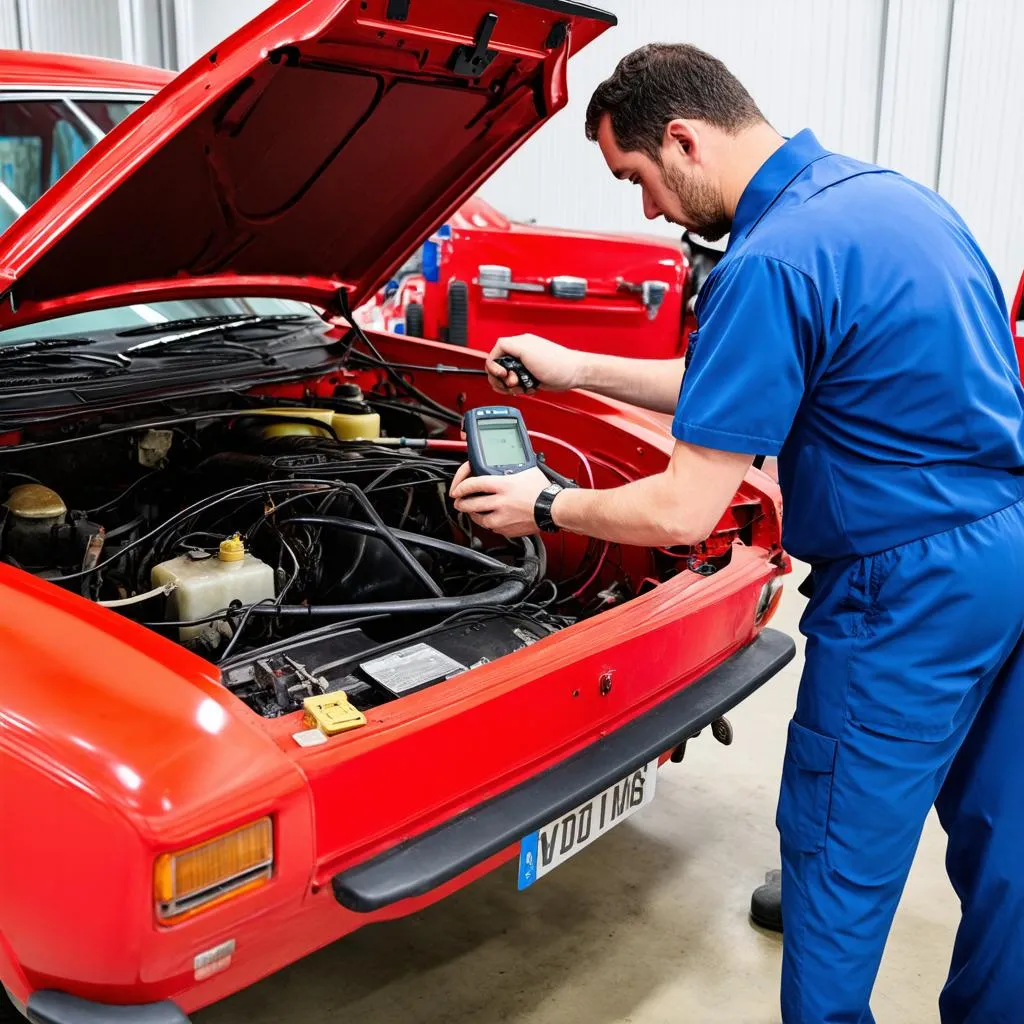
[683,139]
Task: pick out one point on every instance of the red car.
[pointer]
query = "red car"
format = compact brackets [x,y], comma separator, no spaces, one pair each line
[1017,321]
[482,276]
[262,685]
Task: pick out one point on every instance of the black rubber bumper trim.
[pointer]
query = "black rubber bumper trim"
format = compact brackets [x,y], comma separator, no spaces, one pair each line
[416,867]
[574,9]
[49,1007]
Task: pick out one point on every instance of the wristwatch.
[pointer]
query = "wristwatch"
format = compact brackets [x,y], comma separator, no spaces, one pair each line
[542,508]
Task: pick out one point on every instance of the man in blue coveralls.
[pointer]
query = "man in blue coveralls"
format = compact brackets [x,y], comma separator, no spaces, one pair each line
[854,329]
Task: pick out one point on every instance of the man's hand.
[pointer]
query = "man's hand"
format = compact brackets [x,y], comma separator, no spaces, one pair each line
[556,368]
[502,504]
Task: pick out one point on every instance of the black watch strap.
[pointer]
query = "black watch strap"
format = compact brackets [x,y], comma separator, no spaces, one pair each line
[542,508]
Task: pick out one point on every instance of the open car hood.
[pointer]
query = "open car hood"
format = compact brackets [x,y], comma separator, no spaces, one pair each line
[311,151]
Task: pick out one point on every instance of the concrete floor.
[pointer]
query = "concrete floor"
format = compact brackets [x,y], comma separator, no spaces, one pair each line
[647,926]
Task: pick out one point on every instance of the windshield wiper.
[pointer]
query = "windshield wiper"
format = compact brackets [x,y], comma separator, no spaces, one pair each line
[41,345]
[163,347]
[220,331]
[196,326]
[55,350]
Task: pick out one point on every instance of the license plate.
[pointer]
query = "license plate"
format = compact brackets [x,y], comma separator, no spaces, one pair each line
[542,851]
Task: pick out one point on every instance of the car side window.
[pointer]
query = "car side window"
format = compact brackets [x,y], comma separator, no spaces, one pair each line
[21,160]
[69,145]
[41,139]
[107,114]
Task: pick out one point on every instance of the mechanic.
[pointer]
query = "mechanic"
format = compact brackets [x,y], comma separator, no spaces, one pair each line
[854,329]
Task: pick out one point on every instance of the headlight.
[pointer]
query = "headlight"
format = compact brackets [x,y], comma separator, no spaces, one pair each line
[201,876]
[768,602]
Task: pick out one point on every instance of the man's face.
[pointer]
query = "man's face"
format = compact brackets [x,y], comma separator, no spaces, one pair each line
[678,187]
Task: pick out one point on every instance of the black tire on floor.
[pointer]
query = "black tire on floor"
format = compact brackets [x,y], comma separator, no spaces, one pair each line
[414,320]
[458,313]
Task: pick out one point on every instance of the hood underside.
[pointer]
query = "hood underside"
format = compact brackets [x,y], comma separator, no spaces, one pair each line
[312,151]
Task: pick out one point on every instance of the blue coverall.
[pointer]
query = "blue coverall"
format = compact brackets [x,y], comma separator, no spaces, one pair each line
[854,329]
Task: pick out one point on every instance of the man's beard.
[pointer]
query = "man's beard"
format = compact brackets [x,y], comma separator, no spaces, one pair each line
[701,204]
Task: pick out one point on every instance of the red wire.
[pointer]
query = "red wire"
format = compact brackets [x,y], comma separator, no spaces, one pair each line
[585,463]
[615,469]
[446,446]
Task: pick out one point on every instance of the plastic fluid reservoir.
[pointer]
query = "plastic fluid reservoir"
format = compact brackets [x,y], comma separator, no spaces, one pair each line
[346,426]
[207,585]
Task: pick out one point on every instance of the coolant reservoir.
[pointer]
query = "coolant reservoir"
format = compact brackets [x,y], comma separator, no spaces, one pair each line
[346,426]
[203,586]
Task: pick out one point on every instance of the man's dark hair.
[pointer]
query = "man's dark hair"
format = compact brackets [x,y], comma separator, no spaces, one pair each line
[660,82]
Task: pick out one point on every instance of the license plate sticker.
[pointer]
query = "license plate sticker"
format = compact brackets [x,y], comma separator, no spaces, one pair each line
[542,851]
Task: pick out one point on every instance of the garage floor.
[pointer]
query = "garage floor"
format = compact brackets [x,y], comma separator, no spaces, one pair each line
[647,926]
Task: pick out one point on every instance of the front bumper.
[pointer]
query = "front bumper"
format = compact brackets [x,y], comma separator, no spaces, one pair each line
[48,1007]
[422,865]
[416,867]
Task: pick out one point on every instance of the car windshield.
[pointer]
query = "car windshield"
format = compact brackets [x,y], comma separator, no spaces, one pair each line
[154,313]
[40,139]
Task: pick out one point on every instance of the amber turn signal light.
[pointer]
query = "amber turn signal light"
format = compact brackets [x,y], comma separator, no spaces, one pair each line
[210,873]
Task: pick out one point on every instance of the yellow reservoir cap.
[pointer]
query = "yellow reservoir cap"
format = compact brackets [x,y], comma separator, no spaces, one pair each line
[201,876]
[232,549]
[332,713]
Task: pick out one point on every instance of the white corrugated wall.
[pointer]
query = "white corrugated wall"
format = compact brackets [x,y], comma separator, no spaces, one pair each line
[201,24]
[84,26]
[807,62]
[982,156]
[934,88]
[10,37]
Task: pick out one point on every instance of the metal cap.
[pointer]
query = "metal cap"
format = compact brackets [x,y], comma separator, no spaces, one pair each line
[34,501]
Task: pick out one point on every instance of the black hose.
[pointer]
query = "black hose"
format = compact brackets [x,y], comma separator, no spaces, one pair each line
[442,411]
[239,629]
[124,494]
[505,593]
[418,539]
[169,421]
[287,643]
[389,536]
[312,485]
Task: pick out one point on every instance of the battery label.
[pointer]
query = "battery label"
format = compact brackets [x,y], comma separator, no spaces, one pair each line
[411,668]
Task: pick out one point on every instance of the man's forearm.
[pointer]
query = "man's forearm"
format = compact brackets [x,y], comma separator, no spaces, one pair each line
[642,513]
[679,506]
[649,383]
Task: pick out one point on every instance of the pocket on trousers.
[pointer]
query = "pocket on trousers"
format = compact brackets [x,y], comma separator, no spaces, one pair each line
[806,795]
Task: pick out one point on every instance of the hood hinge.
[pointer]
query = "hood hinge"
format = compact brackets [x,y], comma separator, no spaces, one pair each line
[557,35]
[473,61]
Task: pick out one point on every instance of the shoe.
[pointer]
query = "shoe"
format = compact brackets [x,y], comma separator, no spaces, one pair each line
[766,903]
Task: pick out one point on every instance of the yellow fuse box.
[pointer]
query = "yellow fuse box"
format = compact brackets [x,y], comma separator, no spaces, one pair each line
[331,713]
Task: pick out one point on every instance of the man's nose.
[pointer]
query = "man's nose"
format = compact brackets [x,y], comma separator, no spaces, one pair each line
[651,209]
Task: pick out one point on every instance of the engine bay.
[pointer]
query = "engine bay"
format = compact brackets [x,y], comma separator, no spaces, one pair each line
[302,547]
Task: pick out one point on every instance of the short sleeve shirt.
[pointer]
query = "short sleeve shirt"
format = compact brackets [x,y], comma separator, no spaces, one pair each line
[854,329]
